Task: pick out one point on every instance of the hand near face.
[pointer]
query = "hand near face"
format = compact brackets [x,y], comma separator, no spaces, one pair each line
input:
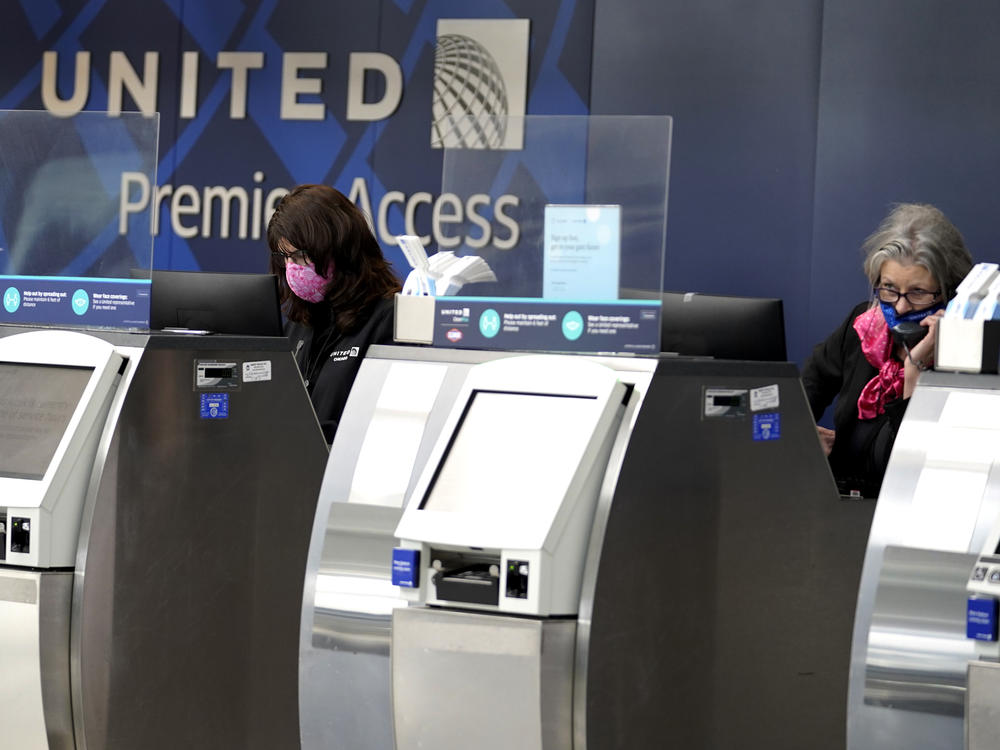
[921,354]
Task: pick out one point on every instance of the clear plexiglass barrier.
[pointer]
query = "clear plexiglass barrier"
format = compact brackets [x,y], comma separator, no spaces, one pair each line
[568,215]
[75,241]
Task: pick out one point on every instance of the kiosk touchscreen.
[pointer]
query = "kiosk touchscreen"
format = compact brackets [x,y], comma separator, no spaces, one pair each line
[55,391]
[500,518]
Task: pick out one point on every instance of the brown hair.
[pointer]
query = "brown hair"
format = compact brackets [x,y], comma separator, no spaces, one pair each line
[334,234]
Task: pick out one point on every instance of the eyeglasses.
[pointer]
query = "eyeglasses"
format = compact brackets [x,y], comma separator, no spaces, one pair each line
[916,297]
[296,256]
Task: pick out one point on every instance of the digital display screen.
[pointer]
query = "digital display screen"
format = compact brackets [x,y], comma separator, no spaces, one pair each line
[36,405]
[512,453]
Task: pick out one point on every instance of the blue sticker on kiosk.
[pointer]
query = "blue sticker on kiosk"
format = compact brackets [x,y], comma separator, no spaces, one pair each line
[766,426]
[215,406]
[406,567]
[981,619]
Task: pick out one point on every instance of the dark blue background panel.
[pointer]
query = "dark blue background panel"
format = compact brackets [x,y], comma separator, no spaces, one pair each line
[740,80]
[909,109]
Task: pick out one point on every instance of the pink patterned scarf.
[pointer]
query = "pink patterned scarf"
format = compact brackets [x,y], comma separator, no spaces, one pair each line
[876,345]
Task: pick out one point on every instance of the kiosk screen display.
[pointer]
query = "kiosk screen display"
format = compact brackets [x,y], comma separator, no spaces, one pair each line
[512,454]
[36,405]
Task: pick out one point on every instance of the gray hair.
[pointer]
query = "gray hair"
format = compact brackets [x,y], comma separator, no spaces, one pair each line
[917,233]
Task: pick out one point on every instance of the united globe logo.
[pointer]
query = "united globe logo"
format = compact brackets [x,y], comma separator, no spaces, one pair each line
[480,84]
[470,97]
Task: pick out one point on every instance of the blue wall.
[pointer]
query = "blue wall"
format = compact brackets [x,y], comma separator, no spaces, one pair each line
[796,123]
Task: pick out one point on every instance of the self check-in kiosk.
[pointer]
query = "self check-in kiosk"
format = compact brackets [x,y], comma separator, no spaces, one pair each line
[702,580]
[57,388]
[500,522]
[923,660]
[485,536]
[148,586]
[55,391]
[156,490]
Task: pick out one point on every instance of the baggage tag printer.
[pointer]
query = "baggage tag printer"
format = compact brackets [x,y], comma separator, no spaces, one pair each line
[500,518]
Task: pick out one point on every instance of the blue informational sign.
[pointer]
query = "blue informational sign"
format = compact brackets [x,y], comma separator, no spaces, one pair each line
[981,619]
[75,301]
[766,426]
[214,406]
[530,324]
[406,567]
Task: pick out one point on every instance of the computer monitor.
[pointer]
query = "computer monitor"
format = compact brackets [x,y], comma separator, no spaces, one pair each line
[723,327]
[234,303]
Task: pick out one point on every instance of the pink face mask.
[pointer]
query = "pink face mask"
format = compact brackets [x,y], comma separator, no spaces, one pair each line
[304,282]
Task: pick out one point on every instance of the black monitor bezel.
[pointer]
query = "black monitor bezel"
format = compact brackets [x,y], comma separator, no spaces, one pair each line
[244,304]
[723,327]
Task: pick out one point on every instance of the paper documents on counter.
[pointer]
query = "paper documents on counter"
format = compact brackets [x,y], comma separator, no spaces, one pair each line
[448,272]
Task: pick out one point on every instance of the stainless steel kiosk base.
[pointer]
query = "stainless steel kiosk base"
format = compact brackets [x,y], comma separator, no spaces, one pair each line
[982,712]
[34,660]
[520,667]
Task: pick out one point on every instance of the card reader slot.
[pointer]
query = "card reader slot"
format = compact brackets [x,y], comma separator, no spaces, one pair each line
[469,578]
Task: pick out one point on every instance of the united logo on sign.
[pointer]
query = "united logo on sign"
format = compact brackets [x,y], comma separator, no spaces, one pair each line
[480,84]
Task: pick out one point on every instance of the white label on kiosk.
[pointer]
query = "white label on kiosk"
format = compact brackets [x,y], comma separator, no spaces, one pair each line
[257,372]
[767,397]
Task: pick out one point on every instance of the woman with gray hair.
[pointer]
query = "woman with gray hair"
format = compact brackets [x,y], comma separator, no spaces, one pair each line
[914,261]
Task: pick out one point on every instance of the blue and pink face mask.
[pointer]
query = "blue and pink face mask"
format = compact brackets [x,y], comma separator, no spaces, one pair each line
[914,316]
[305,282]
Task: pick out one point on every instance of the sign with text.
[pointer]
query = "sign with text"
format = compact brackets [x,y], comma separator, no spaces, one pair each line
[619,326]
[75,301]
[582,251]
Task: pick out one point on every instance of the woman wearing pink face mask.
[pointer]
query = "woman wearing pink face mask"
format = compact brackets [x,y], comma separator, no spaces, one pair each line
[336,291]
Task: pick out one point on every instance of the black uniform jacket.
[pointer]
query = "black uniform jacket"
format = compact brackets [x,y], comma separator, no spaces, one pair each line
[329,359]
[837,368]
